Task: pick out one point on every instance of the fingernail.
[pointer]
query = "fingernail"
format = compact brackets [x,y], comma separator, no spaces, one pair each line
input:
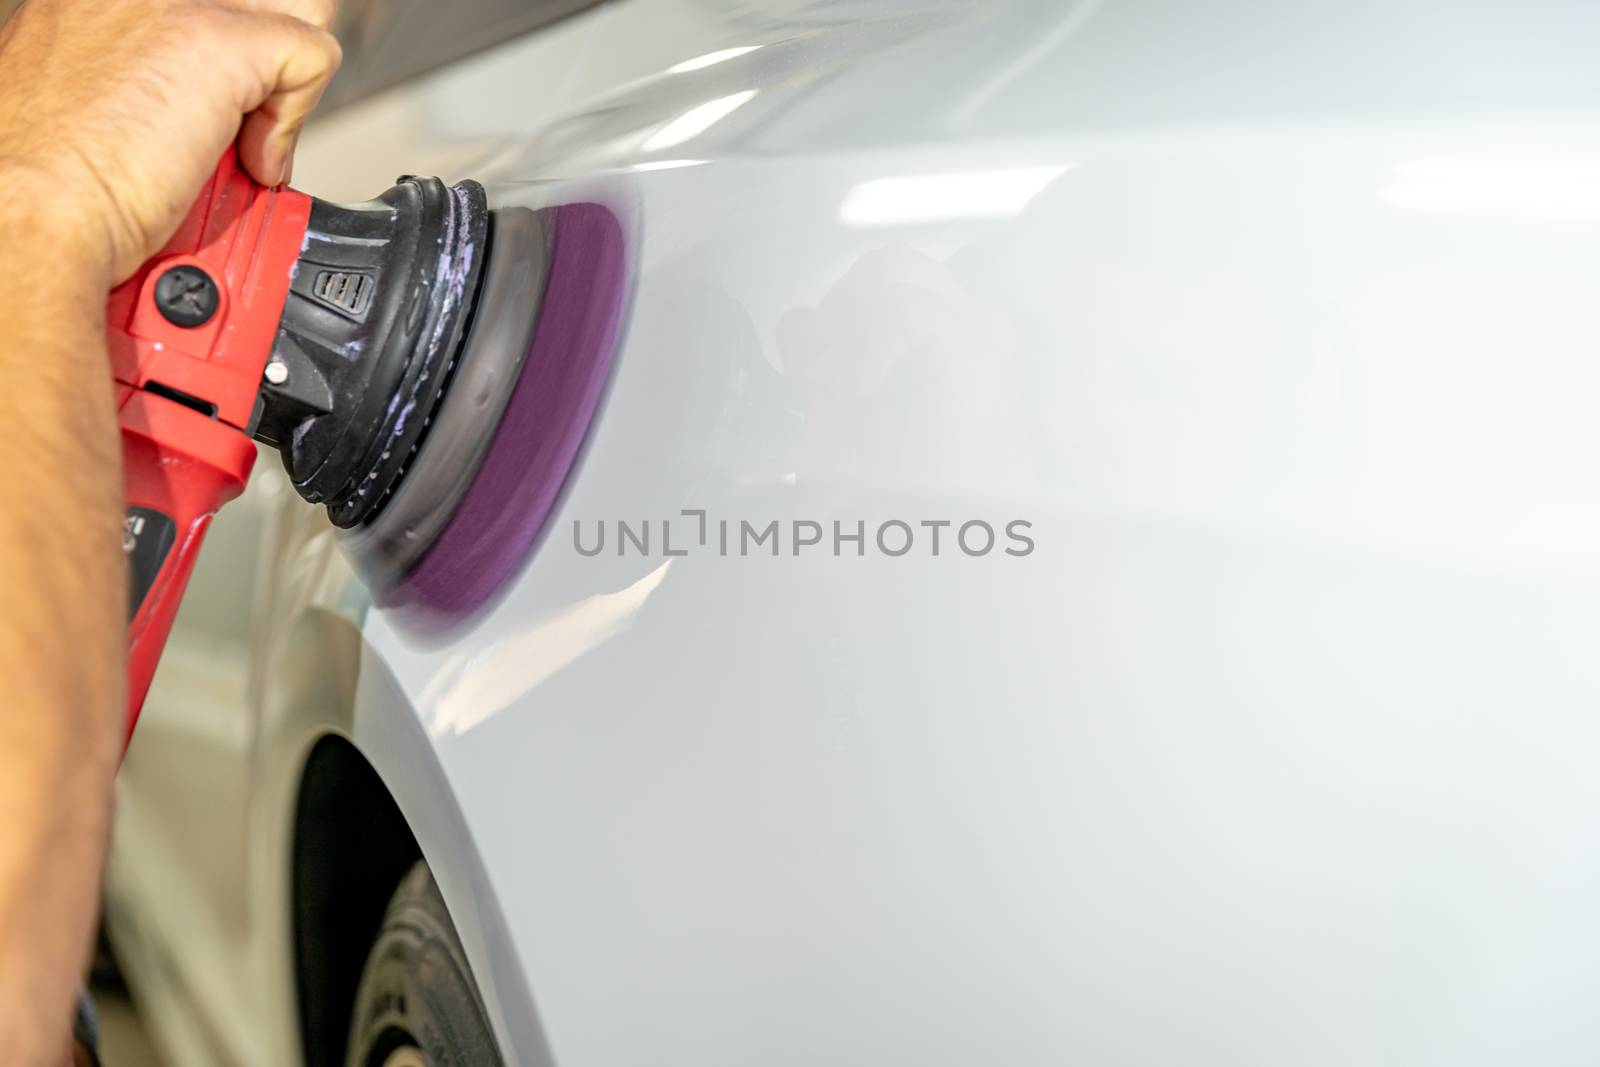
[287,172]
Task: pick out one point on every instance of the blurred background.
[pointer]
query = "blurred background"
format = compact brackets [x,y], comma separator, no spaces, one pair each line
[416,36]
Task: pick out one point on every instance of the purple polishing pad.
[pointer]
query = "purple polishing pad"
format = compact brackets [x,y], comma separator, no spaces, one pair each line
[504,510]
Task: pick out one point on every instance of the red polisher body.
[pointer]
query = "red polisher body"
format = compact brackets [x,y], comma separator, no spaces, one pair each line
[190,335]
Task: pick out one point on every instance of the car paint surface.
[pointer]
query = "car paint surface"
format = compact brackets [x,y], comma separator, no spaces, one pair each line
[1276,324]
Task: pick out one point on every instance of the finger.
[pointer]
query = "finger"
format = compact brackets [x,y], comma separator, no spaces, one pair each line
[295,63]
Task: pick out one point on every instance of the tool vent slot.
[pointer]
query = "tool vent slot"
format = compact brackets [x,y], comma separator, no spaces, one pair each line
[178,396]
[349,291]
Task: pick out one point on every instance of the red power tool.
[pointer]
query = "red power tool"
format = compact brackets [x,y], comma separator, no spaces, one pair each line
[333,333]
[329,332]
[190,336]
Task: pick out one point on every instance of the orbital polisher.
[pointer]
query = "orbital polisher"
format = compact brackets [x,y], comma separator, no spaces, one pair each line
[425,366]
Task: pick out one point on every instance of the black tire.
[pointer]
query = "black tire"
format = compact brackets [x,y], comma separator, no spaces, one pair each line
[417,1002]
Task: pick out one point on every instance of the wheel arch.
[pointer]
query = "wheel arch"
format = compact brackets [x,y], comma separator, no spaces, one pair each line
[345,843]
[369,798]
[351,846]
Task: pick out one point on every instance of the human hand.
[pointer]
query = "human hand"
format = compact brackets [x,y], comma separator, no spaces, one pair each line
[112,115]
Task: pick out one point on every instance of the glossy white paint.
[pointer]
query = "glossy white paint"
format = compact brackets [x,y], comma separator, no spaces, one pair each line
[1276,322]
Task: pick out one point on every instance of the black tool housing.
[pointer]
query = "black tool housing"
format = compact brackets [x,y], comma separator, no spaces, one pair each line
[378,306]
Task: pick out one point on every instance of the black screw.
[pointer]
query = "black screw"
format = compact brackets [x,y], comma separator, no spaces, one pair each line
[186,296]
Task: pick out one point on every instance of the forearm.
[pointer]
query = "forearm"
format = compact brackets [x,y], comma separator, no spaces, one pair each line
[111,117]
[62,648]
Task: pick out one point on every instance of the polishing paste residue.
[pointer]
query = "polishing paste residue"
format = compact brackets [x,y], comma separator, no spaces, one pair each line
[501,515]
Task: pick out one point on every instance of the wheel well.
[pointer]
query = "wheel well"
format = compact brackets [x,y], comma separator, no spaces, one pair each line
[351,848]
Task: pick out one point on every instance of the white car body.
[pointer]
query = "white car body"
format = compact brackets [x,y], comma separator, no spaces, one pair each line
[1276,322]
